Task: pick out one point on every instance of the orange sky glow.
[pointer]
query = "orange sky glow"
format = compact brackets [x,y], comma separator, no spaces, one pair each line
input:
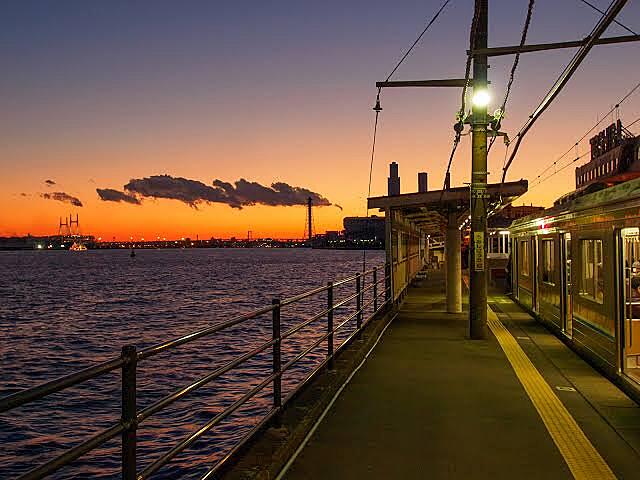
[297,116]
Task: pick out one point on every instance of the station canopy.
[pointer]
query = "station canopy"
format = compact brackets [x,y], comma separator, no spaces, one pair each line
[429,211]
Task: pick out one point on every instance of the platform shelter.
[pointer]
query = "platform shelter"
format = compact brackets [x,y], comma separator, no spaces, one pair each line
[413,219]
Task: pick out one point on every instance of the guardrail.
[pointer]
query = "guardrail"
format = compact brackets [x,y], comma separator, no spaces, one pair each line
[377,279]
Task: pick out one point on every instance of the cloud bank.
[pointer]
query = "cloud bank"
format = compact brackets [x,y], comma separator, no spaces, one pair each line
[111,195]
[241,193]
[49,183]
[62,197]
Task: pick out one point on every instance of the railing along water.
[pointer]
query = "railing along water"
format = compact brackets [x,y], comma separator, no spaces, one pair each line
[130,359]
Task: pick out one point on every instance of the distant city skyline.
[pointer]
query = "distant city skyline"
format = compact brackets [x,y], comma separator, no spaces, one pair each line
[163,119]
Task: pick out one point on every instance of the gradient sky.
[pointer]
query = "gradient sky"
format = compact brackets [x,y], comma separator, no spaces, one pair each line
[96,93]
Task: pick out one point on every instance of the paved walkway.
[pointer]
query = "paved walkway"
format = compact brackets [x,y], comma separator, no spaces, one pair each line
[429,403]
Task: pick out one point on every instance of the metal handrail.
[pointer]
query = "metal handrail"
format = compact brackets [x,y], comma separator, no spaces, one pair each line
[155,349]
[182,392]
[130,357]
[35,393]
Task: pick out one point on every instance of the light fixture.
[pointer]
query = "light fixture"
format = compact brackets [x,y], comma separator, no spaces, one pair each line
[481,98]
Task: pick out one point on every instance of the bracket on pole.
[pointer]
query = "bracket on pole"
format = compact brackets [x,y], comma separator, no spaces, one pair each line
[539,47]
[448,82]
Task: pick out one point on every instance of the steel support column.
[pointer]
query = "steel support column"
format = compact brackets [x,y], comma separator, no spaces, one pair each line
[453,265]
[478,267]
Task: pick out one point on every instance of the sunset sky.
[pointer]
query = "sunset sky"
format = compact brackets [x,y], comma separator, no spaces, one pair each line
[95,94]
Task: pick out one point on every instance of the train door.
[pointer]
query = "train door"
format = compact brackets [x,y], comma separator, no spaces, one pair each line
[567,305]
[629,340]
[515,272]
[534,274]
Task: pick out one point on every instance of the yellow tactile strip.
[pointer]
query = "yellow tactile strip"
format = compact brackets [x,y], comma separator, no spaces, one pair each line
[583,459]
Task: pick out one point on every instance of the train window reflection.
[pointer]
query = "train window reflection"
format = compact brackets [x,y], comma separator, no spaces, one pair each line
[548,261]
[524,258]
[592,276]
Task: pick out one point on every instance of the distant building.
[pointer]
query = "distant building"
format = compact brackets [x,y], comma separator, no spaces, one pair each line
[332,235]
[512,212]
[364,228]
[393,182]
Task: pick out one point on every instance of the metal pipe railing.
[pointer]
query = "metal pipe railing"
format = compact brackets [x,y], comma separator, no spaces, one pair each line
[130,359]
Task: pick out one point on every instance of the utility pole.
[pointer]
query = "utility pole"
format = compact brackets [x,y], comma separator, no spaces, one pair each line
[477,267]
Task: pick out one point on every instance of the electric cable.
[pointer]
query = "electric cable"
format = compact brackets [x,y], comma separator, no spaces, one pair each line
[459,125]
[418,39]
[616,106]
[565,76]
[573,160]
[377,108]
[615,21]
[516,60]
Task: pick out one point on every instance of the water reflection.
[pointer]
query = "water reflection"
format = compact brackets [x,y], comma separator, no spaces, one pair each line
[62,312]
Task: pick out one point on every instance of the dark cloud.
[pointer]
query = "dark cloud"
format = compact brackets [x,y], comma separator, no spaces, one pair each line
[111,195]
[22,194]
[63,197]
[49,183]
[298,195]
[192,192]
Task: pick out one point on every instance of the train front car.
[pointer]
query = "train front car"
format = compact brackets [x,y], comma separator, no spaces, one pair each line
[576,266]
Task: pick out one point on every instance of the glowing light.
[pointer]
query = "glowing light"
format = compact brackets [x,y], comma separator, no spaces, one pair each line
[481,98]
[504,232]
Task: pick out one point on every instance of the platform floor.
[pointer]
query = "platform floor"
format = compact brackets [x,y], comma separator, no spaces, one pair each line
[428,403]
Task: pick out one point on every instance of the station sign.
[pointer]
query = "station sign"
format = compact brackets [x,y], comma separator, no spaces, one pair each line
[478,251]
[606,140]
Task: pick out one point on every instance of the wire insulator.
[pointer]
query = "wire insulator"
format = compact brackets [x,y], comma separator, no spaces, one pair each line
[377,108]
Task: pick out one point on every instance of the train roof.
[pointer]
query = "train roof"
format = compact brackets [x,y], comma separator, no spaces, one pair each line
[615,194]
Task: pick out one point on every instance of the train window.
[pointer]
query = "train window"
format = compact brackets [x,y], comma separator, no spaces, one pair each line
[524,258]
[495,246]
[548,261]
[592,276]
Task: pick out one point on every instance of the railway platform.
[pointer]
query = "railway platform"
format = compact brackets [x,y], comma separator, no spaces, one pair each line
[429,403]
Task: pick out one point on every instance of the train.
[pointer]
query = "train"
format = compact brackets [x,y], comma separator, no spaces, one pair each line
[576,265]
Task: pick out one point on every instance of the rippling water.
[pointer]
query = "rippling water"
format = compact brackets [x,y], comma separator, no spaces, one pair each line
[62,311]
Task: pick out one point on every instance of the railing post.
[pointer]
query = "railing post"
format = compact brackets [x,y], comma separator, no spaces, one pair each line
[277,355]
[387,284]
[375,289]
[358,301]
[330,324]
[129,413]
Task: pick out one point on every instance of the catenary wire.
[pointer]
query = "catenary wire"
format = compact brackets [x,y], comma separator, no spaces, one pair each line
[572,161]
[564,78]
[408,52]
[514,66]
[615,21]
[461,112]
[617,105]
[377,110]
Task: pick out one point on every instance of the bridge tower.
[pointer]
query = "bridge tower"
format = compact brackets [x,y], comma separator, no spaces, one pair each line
[73,222]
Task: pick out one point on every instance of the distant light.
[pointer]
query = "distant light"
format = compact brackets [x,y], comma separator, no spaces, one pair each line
[481,98]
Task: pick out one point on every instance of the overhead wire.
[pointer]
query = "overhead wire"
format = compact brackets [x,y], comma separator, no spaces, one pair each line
[514,66]
[614,21]
[410,49]
[459,126]
[571,162]
[564,77]
[377,108]
[615,107]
